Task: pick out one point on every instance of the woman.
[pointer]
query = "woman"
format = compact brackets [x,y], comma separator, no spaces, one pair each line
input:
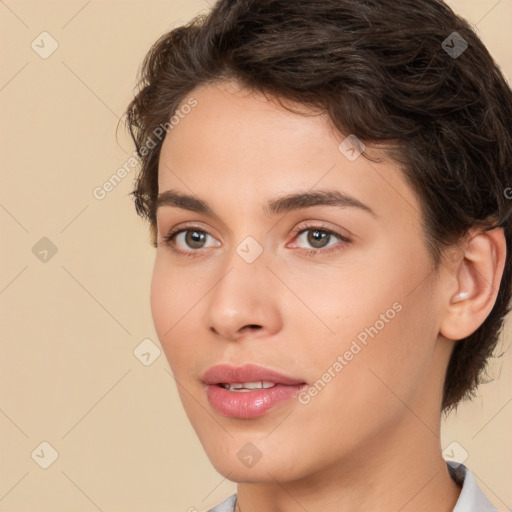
[326,183]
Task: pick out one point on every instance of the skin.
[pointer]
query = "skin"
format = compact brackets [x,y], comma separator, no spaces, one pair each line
[370,439]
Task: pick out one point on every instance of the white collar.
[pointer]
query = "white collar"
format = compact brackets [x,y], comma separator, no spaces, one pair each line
[471,498]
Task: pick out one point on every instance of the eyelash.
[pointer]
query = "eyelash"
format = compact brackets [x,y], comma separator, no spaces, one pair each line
[168,240]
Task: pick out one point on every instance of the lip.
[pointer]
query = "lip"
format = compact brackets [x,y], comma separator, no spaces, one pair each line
[250,404]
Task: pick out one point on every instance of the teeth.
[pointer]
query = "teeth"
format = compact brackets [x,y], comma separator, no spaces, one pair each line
[248,386]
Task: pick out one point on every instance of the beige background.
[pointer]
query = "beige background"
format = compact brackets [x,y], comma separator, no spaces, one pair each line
[70,324]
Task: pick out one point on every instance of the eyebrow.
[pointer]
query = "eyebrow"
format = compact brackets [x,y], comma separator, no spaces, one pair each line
[277,206]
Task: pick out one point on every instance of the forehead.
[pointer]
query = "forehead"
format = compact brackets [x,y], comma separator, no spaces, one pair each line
[244,147]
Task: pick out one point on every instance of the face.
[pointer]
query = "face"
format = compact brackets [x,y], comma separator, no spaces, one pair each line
[292,291]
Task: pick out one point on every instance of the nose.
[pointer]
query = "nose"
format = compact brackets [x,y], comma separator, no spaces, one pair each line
[243,302]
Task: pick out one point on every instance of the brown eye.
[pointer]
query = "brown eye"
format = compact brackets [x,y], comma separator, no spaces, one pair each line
[318,239]
[195,239]
[191,239]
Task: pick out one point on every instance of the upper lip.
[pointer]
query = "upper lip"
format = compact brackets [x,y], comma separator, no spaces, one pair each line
[226,374]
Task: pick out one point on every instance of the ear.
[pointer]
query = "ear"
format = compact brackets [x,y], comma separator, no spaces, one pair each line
[476,281]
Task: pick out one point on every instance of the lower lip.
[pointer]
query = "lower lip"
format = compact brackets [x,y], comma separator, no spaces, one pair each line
[249,404]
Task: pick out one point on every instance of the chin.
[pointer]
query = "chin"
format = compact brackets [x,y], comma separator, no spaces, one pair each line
[235,471]
[243,462]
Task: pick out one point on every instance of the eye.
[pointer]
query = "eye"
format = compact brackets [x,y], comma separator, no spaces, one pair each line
[318,239]
[189,239]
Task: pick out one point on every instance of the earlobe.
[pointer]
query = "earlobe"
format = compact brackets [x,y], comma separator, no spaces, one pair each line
[478,275]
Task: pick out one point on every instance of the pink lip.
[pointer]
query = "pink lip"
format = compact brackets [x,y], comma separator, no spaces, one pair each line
[249,404]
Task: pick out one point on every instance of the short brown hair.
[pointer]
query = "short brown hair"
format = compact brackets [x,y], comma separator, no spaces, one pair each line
[383,71]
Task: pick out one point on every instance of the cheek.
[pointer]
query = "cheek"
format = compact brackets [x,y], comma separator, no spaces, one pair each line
[378,314]
[175,297]
[169,297]
[174,291]
[160,298]
[385,361]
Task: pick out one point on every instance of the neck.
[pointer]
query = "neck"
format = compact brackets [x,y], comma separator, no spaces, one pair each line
[400,470]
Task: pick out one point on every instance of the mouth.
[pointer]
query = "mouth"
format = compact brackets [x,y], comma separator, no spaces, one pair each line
[248,386]
[248,391]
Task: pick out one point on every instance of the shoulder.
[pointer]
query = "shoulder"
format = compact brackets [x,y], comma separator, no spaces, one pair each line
[471,498]
[226,506]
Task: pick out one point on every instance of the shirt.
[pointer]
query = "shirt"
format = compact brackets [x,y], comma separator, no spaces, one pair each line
[471,498]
